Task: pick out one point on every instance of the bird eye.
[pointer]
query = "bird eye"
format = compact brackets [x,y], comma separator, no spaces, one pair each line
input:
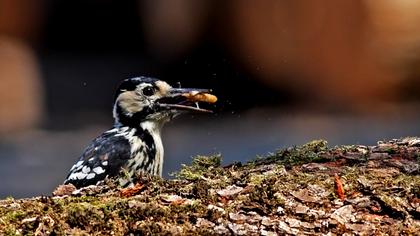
[148,91]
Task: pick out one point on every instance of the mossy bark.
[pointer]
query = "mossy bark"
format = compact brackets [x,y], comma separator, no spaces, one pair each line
[311,189]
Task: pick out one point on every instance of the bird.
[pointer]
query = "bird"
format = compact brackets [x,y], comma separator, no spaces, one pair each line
[142,105]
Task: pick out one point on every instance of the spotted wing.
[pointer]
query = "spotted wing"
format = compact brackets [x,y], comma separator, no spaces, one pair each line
[104,157]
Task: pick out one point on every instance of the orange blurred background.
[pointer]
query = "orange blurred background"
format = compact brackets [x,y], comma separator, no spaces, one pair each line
[361,55]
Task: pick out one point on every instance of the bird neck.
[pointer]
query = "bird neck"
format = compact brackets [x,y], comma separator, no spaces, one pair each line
[153,127]
[139,119]
[146,149]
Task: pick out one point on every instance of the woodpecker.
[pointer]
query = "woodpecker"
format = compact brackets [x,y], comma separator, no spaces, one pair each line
[142,105]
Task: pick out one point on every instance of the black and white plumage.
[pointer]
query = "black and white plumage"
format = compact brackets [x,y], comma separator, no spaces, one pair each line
[142,106]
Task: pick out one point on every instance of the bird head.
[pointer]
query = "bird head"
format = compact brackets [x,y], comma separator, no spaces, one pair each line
[148,99]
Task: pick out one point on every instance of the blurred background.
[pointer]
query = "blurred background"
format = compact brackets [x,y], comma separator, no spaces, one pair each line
[285,72]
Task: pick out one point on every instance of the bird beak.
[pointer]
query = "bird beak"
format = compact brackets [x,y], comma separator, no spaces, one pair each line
[187,99]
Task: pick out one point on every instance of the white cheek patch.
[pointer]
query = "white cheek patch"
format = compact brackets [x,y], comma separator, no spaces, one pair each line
[163,87]
[130,102]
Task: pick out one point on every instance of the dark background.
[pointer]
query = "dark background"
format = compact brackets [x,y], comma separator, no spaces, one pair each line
[284,72]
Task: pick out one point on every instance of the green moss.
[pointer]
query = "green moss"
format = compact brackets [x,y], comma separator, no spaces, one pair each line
[310,152]
[263,197]
[14,216]
[390,151]
[315,146]
[391,201]
[9,198]
[256,179]
[10,230]
[199,166]
[207,161]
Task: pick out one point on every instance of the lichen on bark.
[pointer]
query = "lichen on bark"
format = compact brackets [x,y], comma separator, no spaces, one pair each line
[290,191]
